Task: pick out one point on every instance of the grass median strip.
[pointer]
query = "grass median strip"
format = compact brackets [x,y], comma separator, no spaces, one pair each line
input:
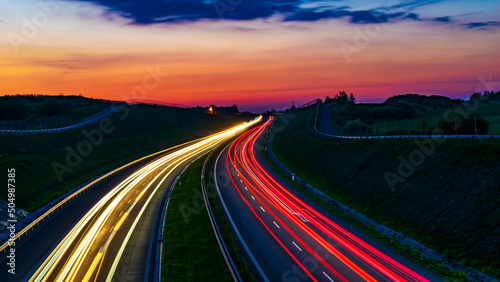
[190,249]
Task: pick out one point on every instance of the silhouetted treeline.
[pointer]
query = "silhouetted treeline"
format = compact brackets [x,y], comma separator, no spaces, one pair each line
[341,98]
[487,97]
[231,110]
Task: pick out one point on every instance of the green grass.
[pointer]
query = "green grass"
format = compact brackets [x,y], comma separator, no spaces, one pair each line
[449,203]
[145,130]
[191,251]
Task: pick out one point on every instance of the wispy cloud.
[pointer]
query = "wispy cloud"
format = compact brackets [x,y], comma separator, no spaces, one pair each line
[443,19]
[481,25]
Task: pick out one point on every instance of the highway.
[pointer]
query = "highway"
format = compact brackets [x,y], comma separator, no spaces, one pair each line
[117,236]
[289,237]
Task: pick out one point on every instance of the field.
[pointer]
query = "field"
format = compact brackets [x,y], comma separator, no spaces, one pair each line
[449,200]
[145,130]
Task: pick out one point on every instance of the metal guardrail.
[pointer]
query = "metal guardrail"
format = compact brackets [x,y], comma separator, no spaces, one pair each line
[225,252]
[400,136]
[78,192]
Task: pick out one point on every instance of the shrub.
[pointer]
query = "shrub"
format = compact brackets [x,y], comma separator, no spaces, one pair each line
[50,107]
[465,126]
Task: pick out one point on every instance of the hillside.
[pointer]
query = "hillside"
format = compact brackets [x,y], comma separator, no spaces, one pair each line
[449,202]
[43,111]
[415,113]
[127,136]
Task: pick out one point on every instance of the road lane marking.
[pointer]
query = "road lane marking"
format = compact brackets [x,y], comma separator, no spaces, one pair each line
[140,195]
[328,276]
[276,224]
[246,188]
[253,198]
[120,213]
[111,229]
[241,181]
[117,226]
[92,267]
[297,246]
[262,209]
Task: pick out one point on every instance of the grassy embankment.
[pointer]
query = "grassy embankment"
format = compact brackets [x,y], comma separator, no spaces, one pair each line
[145,130]
[450,202]
[40,112]
[192,251]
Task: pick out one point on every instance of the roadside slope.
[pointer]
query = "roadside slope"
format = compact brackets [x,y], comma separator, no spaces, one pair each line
[130,133]
[449,202]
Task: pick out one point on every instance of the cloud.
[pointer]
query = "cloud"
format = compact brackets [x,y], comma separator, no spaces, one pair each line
[411,5]
[143,12]
[154,11]
[168,11]
[443,19]
[413,16]
[481,25]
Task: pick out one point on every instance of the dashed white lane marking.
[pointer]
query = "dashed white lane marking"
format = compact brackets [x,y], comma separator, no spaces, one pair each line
[120,214]
[111,228]
[253,198]
[246,188]
[297,246]
[129,201]
[276,224]
[262,209]
[329,278]
[241,181]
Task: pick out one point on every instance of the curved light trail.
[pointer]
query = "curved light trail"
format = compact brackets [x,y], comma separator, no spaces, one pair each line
[79,256]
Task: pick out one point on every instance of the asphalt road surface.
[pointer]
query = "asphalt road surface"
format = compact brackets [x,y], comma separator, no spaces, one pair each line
[289,237]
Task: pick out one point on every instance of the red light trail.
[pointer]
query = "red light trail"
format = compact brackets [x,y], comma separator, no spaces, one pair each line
[303,222]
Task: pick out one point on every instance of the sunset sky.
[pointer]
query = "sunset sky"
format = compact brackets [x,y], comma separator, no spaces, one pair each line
[257,54]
